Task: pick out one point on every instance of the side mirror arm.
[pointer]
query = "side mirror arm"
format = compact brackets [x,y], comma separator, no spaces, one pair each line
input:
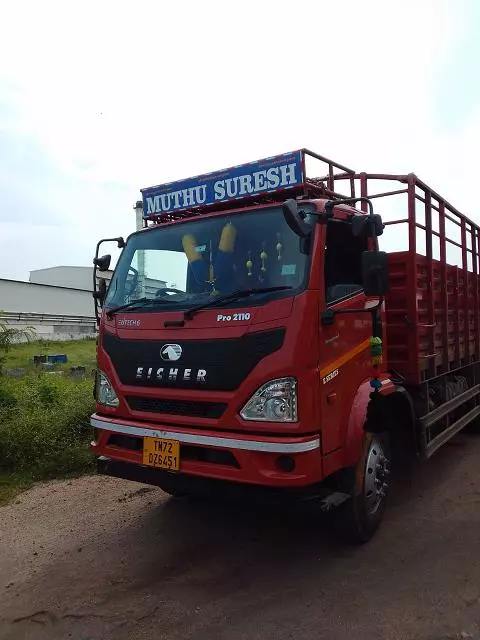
[121,245]
[328,316]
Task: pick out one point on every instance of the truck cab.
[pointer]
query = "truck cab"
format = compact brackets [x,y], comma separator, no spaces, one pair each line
[235,342]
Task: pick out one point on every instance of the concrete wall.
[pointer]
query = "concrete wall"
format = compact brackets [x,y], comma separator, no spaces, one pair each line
[26,297]
[51,327]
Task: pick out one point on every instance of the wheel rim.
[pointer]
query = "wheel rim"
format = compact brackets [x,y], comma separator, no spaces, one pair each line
[377,471]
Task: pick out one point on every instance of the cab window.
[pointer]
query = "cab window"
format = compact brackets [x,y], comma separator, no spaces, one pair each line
[343,270]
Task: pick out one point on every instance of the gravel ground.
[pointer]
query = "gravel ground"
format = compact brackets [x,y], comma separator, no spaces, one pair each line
[101,559]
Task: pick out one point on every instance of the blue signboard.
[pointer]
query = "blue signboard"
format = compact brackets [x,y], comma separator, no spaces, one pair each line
[263,176]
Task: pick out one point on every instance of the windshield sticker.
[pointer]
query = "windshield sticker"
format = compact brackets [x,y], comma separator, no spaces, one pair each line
[201,248]
[234,317]
[289,269]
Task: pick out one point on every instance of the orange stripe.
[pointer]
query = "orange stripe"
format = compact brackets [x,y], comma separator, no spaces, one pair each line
[336,364]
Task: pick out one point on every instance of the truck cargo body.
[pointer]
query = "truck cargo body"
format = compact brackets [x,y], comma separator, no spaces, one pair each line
[432,318]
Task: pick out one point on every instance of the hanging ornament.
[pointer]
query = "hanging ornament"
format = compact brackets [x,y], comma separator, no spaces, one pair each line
[263,258]
[376,350]
[211,274]
[279,247]
[249,264]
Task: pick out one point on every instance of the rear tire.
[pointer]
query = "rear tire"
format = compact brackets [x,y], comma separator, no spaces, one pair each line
[368,485]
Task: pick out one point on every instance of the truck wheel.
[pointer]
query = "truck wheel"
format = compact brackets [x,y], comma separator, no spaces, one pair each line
[368,484]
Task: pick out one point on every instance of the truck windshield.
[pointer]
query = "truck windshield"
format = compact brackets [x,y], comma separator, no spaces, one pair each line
[185,264]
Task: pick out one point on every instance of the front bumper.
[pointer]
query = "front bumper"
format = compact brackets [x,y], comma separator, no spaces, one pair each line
[238,458]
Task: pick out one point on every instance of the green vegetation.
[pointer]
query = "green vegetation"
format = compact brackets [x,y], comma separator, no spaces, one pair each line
[10,335]
[44,416]
[81,353]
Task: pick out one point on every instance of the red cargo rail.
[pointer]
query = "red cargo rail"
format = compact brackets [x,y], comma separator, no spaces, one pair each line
[432,310]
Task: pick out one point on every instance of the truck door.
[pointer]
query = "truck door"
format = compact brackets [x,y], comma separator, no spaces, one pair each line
[344,344]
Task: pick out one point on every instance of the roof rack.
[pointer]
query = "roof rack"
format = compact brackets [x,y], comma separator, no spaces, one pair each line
[261,182]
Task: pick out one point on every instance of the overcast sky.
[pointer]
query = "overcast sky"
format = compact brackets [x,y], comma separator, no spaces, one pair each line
[99,99]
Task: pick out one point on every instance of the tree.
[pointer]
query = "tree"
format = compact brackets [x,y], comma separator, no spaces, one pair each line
[11,335]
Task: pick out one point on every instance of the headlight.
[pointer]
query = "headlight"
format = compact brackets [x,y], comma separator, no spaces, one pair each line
[105,392]
[276,401]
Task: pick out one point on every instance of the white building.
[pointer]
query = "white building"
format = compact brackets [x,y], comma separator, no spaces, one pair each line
[57,302]
[55,313]
[68,276]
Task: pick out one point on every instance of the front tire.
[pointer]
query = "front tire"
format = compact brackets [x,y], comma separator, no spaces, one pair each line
[368,485]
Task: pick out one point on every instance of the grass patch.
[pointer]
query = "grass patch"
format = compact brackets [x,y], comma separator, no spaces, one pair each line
[13,484]
[45,418]
[80,353]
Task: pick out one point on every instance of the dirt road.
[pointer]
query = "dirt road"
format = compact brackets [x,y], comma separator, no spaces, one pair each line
[101,559]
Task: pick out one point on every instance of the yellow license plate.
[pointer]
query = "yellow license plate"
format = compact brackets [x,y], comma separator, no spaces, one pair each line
[161,453]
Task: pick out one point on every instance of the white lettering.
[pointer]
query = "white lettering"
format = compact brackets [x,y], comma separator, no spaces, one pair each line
[330,376]
[201,375]
[259,180]
[124,322]
[160,373]
[149,374]
[255,182]
[201,193]
[231,193]
[245,185]
[188,198]
[187,374]
[172,374]
[219,189]
[139,372]
[176,199]
[153,205]
[165,198]
[288,174]
[236,316]
[273,178]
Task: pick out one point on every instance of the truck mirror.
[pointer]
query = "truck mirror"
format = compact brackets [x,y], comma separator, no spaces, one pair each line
[102,263]
[367,225]
[294,218]
[375,279]
[101,292]
[328,317]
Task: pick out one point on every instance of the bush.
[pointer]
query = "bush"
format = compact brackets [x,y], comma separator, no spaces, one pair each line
[45,425]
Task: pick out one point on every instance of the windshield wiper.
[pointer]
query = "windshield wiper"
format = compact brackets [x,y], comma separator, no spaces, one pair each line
[136,304]
[231,297]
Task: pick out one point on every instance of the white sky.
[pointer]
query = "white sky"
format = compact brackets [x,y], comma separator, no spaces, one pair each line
[99,99]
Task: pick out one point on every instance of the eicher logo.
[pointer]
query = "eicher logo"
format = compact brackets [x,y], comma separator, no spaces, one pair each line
[164,374]
[171,352]
[272,174]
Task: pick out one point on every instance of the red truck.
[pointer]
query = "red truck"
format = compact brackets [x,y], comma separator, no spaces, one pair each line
[253,336]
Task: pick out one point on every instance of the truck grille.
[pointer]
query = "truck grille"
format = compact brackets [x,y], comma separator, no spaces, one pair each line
[227,362]
[177,407]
